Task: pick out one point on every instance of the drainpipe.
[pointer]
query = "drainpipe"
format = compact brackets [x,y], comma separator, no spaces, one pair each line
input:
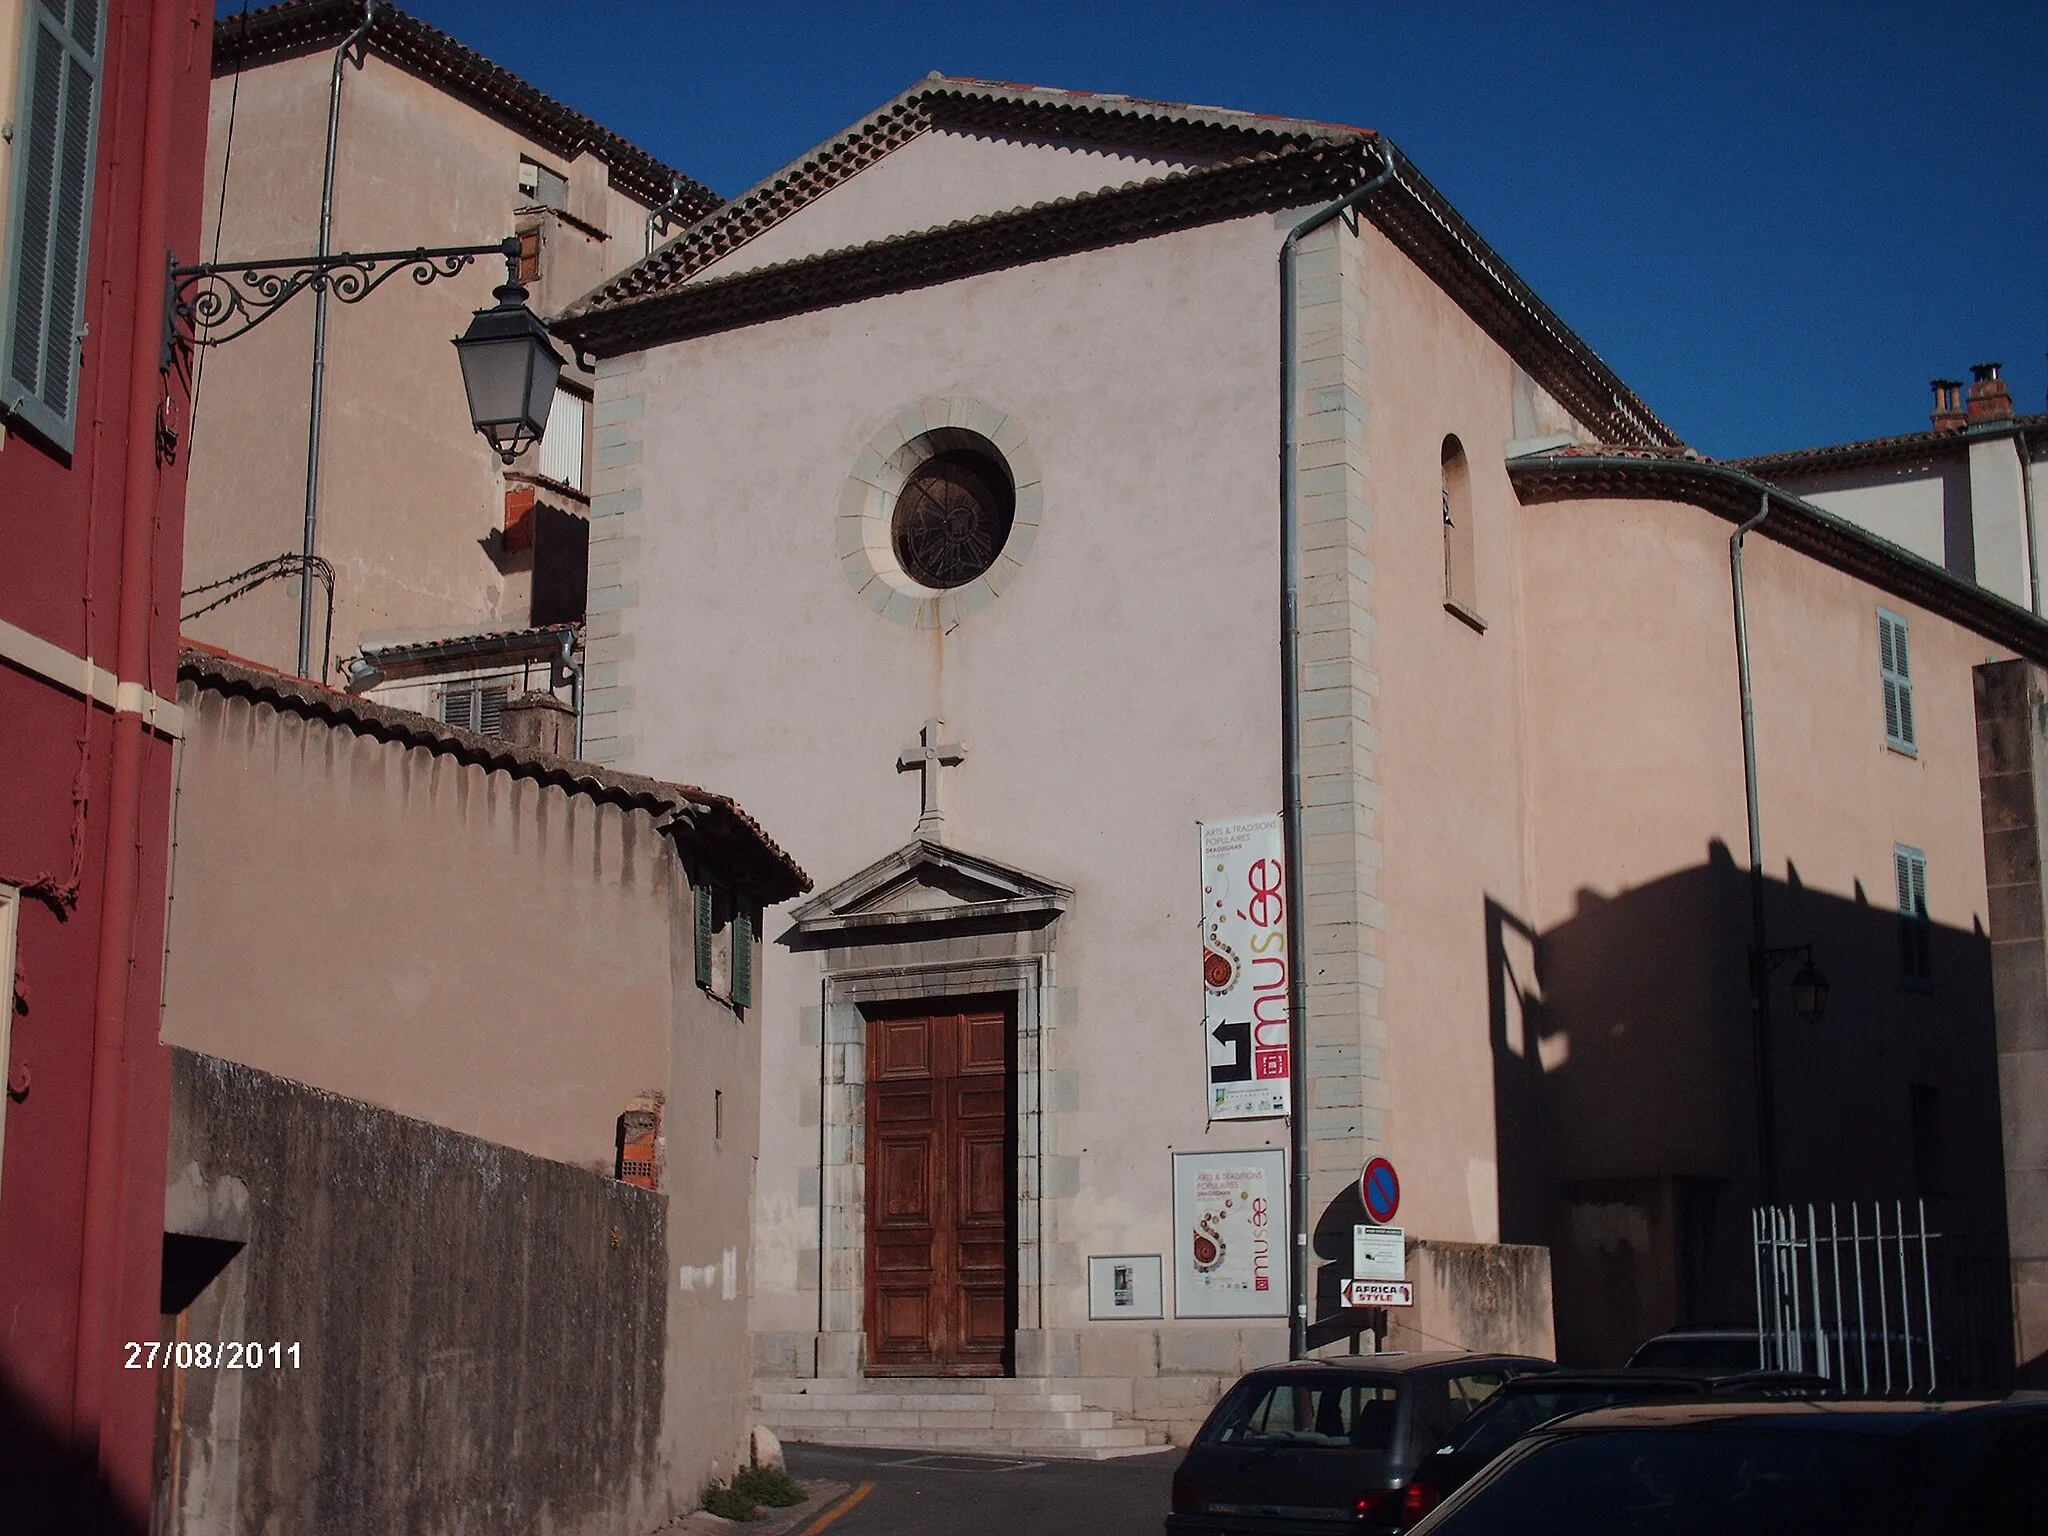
[2027,496]
[568,667]
[1759,980]
[1290,749]
[319,387]
[110,1144]
[657,215]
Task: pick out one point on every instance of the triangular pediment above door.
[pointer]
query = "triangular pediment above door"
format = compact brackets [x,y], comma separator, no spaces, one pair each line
[921,890]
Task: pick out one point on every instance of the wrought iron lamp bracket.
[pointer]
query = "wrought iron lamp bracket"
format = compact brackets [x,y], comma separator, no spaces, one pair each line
[1773,958]
[214,302]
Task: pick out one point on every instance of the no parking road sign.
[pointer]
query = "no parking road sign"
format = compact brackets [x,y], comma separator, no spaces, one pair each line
[1379,1293]
[1380,1187]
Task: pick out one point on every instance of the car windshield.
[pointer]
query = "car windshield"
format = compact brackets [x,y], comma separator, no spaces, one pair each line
[1696,1482]
[1500,1423]
[1702,1354]
[1313,1411]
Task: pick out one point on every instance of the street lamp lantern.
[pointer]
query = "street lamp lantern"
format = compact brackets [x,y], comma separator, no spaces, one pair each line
[509,368]
[1809,992]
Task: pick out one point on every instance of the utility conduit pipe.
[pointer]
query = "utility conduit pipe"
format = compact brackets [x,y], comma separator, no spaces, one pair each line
[319,386]
[1759,980]
[1290,745]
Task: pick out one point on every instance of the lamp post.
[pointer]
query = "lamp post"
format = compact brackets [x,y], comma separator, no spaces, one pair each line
[509,366]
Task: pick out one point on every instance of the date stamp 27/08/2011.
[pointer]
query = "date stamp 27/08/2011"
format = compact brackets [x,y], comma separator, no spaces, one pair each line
[228,1355]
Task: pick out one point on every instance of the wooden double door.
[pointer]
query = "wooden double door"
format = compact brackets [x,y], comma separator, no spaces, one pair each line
[941,1191]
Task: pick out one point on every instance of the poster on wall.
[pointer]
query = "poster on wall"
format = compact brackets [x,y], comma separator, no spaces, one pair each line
[1230,1234]
[1245,1024]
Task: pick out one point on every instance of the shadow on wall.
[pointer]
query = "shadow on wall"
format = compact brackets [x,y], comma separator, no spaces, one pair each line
[49,1485]
[1626,1108]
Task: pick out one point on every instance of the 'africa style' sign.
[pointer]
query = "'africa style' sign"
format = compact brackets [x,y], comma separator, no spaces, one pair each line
[1245,1022]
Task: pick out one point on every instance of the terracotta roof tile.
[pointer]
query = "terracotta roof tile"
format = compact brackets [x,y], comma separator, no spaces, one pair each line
[1885,450]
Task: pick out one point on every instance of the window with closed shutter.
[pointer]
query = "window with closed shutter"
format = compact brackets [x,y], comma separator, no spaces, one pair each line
[561,446]
[742,957]
[475,706]
[56,131]
[1916,932]
[1895,665]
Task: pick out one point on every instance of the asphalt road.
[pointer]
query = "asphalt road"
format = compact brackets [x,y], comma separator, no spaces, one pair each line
[943,1493]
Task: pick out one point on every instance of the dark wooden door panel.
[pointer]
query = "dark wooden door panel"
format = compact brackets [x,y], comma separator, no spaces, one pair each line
[941,1212]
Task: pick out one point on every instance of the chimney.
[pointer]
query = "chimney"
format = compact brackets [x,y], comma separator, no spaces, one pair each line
[540,721]
[1990,400]
[639,1143]
[1949,415]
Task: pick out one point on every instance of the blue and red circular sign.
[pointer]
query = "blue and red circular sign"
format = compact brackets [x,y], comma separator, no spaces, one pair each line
[1380,1187]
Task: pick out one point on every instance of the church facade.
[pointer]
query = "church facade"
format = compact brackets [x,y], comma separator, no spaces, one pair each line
[937,510]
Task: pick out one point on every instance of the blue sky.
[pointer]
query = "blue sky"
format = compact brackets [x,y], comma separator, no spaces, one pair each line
[1776,222]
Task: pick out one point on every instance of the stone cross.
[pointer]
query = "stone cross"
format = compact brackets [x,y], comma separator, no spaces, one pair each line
[931,754]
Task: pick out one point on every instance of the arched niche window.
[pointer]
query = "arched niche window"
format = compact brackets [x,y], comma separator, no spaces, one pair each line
[1461,577]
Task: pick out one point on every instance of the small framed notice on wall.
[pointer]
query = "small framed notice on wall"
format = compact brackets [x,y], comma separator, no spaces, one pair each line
[1230,1234]
[1124,1285]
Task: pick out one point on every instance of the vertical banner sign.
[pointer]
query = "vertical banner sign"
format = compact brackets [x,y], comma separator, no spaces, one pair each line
[1244,968]
[1230,1234]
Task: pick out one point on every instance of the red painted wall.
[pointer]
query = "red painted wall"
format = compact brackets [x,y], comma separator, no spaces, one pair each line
[86,541]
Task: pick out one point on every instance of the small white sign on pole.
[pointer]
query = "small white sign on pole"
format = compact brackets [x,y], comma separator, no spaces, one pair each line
[1378,1293]
[1379,1253]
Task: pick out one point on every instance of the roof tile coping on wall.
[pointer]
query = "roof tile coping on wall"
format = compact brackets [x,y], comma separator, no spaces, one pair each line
[708,826]
[1258,164]
[304,26]
[1599,472]
[1904,447]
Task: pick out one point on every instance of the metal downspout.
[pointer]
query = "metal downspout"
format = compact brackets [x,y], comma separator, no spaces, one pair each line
[1290,752]
[319,386]
[1759,980]
[2027,500]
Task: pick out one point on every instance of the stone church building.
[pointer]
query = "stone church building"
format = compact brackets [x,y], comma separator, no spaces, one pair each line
[937,511]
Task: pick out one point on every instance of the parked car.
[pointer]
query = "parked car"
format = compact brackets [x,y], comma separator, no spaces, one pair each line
[1814,1468]
[1699,1349]
[1526,1403]
[1874,1365]
[1290,1448]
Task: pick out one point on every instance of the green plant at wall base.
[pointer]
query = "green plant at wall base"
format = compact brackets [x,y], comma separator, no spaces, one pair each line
[728,1503]
[768,1485]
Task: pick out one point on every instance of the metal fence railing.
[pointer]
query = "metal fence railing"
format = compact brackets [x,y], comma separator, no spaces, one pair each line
[1847,1291]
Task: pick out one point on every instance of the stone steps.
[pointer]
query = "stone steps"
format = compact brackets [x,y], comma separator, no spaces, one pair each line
[985,1415]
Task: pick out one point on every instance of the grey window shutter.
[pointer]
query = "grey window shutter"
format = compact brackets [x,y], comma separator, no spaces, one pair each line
[457,705]
[1896,668]
[491,710]
[704,915]
[742,957]
[56,139]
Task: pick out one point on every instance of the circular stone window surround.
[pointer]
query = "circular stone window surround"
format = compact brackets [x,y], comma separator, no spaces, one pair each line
[867,505]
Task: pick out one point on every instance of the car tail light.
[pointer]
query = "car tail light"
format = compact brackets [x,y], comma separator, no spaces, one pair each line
[1418,1501]
[1370,1505]
[1184,1500]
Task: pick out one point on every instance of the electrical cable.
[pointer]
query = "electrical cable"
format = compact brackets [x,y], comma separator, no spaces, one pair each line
[227,159]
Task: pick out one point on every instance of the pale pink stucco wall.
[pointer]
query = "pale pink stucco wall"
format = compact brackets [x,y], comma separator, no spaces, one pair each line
[1121,688]
[1451,716]
[408,490]
[938,178]
[1637,764]
[458,945]
[485,953]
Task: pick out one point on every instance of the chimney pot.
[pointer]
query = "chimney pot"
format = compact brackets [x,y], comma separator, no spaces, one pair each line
[1948,405]
[1990,397]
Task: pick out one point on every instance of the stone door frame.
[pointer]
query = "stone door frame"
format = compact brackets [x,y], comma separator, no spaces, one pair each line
[842,1144]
